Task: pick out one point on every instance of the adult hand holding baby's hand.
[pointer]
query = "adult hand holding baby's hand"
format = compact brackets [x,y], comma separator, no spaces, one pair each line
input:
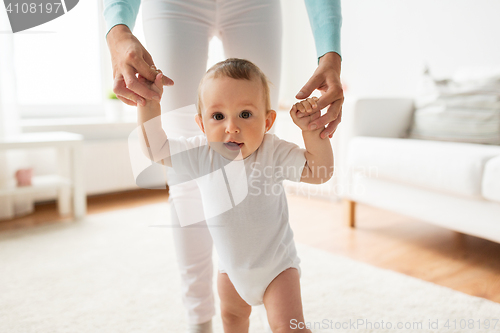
[305,112]
[156,86]
[129,58]
[326,79]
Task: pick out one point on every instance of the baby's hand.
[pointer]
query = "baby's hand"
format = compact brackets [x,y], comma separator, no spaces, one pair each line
[305,110]
[157,85]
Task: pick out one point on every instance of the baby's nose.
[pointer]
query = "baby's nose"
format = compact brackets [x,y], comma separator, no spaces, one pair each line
[232,127]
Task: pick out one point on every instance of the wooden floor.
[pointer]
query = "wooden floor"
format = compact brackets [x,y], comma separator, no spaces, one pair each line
[383,239]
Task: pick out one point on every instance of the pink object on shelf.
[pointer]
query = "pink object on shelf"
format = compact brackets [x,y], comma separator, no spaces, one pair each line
[24,176]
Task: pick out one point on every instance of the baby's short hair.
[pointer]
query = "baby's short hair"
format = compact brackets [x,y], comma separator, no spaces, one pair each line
[239,69]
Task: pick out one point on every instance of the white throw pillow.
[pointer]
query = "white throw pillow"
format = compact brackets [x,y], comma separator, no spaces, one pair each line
[459,110]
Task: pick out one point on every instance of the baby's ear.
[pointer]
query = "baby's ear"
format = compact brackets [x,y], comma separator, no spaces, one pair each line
[199,121]
[270,118]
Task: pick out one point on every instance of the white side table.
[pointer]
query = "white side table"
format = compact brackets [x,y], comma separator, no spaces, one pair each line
[68,181]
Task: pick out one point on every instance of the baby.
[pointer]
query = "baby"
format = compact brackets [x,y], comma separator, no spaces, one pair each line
[258,262]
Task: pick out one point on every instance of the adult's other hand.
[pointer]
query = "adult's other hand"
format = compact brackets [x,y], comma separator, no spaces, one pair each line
[326,78]
[129,57]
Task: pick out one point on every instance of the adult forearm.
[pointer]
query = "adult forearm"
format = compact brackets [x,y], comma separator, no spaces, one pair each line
[120,12]
[326,21]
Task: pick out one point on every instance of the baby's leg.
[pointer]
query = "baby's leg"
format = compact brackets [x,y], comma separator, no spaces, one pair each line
[284,304]
[235,311]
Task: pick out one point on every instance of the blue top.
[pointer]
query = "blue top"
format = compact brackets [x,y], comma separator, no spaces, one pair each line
[325,17]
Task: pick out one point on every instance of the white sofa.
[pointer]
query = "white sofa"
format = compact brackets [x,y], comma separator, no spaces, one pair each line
[450,184]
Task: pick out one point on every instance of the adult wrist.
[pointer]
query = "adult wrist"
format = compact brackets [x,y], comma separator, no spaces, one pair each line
[332,56]
[117,30]
[331,59]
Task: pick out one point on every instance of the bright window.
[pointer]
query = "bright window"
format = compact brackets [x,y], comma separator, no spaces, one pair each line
[58,65]
[62,68]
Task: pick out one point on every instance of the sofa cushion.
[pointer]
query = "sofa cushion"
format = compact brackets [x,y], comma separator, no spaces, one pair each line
[448,167]
[491,180]
[441,122]
[463,109]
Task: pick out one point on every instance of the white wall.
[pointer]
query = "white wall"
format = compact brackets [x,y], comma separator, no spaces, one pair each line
[385,43]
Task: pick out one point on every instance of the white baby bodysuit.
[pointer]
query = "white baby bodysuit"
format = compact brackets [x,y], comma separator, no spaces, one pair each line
[245,207]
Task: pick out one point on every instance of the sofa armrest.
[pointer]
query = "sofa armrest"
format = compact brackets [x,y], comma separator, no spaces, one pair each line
[381,117]
[374,117]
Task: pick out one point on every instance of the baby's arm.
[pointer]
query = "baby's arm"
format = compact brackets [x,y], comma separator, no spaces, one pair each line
[319,154]
[155,143]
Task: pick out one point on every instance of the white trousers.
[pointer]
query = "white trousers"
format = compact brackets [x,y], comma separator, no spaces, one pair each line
[177,34]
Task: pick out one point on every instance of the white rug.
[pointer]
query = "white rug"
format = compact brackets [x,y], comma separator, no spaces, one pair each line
[114,273]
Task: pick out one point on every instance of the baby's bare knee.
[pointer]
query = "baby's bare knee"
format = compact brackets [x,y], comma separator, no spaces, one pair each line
[234,315]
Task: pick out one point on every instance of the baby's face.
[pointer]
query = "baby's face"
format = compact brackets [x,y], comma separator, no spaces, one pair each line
[234,115]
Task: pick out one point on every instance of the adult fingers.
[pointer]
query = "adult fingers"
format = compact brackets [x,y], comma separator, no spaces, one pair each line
[141,89]
[145,66]
[167,81]
[332,94]
[125,94]
[332,127]
[315,116]
[331,114]
[126,101]
[142,79]
[314,82]
[148,67]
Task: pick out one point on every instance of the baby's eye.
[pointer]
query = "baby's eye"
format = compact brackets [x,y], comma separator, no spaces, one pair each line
[245,114]
[218,116]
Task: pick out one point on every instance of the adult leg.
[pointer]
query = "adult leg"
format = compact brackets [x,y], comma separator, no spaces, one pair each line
[177,36]
[252,30]
[235,311]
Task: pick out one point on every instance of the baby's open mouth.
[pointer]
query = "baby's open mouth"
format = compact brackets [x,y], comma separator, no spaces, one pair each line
[232,145]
